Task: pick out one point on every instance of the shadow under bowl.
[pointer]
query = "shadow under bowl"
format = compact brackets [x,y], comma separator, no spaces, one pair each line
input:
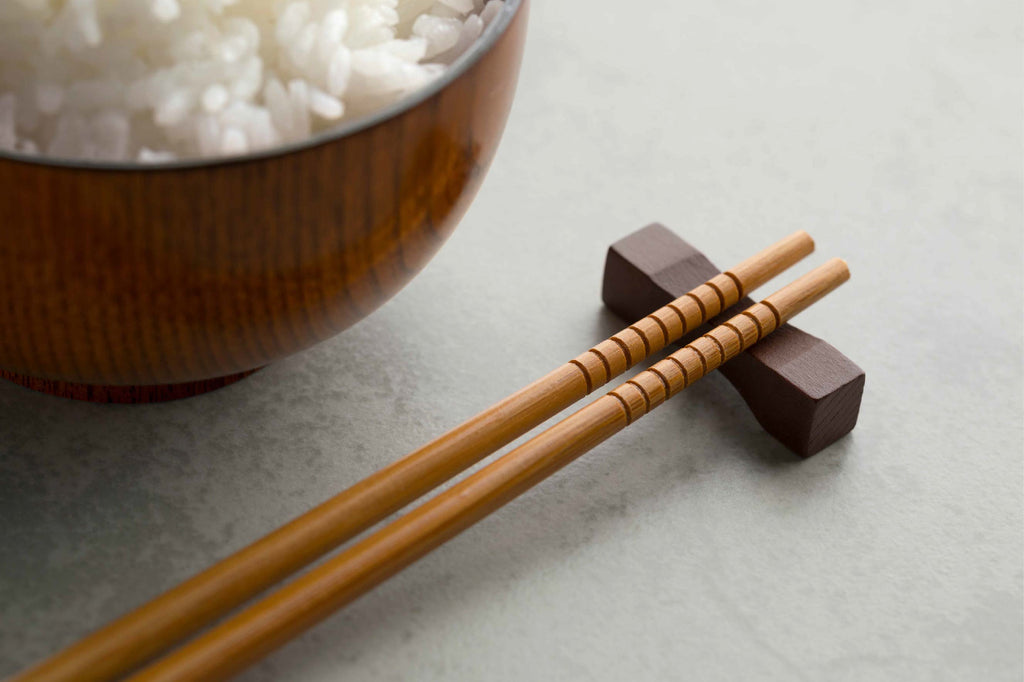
[131,283]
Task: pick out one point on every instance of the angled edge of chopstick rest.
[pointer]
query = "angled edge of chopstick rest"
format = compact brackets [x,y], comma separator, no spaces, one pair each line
[269,623]
[130,640]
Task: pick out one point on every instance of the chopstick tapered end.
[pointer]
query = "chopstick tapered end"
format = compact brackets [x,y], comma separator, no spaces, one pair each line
[780,256]
[808,289]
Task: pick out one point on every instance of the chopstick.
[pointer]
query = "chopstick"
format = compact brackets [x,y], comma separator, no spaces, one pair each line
[269,623]
[136,637]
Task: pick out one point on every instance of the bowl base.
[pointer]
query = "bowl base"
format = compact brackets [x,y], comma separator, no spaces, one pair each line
[130,395]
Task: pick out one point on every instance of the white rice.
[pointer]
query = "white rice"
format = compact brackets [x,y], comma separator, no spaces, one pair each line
[157,80]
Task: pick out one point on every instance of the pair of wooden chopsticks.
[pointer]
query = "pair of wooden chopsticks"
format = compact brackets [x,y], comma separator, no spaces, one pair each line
[137,637]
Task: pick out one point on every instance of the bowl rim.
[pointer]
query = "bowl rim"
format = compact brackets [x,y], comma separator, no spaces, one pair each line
[458,68]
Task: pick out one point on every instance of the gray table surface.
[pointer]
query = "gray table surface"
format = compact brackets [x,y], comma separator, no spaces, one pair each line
[692,546]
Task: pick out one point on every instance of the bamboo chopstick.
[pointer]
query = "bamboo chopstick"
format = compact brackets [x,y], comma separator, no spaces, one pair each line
[134,638]
[269,623]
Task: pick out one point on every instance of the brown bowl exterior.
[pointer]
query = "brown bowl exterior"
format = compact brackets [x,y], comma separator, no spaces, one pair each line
[161,276]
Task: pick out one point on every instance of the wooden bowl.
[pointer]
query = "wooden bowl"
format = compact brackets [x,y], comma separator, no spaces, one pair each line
[136,283]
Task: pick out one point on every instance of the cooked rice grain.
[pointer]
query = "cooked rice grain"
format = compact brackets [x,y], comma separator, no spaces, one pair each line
[158,80]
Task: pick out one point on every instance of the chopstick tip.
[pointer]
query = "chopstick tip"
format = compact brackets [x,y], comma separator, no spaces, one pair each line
[842,267]
[805,240]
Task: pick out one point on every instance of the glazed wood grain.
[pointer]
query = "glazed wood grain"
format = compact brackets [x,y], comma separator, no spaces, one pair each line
[259,629]
[123,278]
[133,638]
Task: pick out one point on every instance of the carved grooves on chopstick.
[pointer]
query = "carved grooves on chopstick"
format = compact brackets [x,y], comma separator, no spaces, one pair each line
[700,356]
[625,407]
[700,304]
[721,347]
[757,322]
[625,350]
[664,380]
[679,314]
[586,375]
[615,355]
[646,396]
[664,329]
[718,292]
[740,292]
[640,395]
[672,359]
[739,335]
[650,388]
[643,337]
[775,312]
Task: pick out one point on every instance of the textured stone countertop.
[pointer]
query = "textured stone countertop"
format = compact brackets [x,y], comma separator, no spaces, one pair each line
[691,546]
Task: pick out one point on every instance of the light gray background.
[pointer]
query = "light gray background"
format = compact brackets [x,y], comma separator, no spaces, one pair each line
[691,546]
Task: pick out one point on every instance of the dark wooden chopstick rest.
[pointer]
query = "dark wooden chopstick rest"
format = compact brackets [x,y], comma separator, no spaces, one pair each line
[801,389]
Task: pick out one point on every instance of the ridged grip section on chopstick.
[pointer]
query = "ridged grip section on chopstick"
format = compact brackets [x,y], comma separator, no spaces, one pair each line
[667,325]
[612,357]
[650,388]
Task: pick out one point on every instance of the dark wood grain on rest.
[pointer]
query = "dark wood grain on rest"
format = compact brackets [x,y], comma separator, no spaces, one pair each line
[802,390]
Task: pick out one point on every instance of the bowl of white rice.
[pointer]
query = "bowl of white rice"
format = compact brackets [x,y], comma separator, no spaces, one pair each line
[192,189]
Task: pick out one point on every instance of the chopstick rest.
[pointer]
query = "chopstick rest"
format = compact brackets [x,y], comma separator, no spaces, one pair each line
[269,623]
[801,389]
